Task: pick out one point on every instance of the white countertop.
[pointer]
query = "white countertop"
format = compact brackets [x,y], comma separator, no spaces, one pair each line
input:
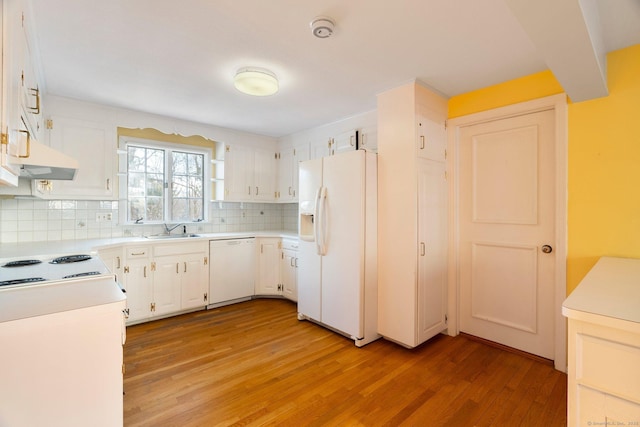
[610,290]
[46,248]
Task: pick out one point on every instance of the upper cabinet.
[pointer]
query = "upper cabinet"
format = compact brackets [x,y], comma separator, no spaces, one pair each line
[288,165]
[250,175]
[431,137]
[93,144]
[21,97]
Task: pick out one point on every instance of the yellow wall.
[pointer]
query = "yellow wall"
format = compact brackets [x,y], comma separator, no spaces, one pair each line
[604,158]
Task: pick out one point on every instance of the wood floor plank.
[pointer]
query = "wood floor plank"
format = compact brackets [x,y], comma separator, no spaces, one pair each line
[255,364]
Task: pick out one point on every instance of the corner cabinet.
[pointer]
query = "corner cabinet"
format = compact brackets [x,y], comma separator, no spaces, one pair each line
[269,254]
[93,144]
[412,229]
[604,346]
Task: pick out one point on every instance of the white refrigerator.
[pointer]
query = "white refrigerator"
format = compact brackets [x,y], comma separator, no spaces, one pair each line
[337,270]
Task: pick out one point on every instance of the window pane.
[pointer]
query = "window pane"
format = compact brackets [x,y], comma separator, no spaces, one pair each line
[179,163]
[195,164]
[195,186]
[195,209]
[136,208]
[136,159]
[179,186]
[155,161]
[180,211]
[154,209]
[136,184]
[155,185]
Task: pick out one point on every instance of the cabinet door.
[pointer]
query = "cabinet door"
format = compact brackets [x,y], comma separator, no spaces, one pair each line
[431,139]
[268,266]
[432,244]
[345,141]
[93,144]
[238,169]
[300,154]
[194,280]
[166,284]
[320,148]
[285,188]
[289,271]
[264,176]
[113,258]
[137,283]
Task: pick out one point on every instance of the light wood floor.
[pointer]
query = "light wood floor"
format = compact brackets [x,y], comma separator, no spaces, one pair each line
[255,364]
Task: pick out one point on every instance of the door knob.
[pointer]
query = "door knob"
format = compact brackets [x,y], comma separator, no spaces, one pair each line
[547,249]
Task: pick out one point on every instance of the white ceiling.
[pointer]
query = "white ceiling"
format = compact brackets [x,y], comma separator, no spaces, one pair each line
[178,59]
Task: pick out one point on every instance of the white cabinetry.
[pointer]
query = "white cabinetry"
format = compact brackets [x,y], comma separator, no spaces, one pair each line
[137,283]
[113,258]
[412,226]
[165,278]
[250,175]
[432,138]
[289,269]
[288,165]
[232,270]
[21,106]
[269,256]
[93,144]
[604,345]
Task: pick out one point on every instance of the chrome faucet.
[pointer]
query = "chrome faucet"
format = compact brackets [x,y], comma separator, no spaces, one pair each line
[170,229]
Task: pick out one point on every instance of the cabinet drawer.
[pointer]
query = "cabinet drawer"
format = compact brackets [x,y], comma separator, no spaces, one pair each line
[291,244]
[180,248]
[608,365]
[138,252]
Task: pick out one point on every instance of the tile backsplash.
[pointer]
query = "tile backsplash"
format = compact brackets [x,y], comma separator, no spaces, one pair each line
[29,220]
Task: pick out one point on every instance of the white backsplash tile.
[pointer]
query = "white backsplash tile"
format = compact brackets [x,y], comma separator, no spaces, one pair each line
[27,220]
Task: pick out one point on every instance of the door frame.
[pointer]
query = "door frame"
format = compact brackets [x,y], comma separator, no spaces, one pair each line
[558,104]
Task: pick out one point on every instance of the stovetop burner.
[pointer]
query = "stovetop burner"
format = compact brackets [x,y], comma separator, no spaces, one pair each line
[88,273]
[68,259]
[21,281]
[22,263]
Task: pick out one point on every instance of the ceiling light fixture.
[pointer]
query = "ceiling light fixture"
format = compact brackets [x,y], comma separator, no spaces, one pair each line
[256,81]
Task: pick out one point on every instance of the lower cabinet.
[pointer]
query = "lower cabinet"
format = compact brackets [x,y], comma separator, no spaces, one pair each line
[269,254]
[289,269]
[168,278]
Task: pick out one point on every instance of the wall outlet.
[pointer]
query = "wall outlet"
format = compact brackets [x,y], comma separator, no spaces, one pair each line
[103,217]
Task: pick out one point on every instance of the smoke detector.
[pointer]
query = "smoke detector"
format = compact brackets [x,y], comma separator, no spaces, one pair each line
[322,27]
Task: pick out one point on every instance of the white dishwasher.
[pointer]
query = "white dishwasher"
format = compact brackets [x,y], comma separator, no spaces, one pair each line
[231,271]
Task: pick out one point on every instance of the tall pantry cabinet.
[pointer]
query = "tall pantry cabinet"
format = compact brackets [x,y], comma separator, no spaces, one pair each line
[412,215]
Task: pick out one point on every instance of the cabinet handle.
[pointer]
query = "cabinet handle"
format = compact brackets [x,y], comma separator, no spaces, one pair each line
[35,92]
[28,145]
[261,248]
[108,184]
[296,263]
[423,249]
[177,267]
[249,191]
[292,262]
[137,253]
[422,142]
[145,271]
[118,264]
[185,266]
[257,191]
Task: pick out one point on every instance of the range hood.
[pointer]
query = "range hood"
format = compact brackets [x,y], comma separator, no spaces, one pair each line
[46,163]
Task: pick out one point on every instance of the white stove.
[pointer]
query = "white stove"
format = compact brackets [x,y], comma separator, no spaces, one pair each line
[16,272]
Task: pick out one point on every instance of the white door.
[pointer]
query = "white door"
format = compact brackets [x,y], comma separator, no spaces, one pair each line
[507,216]
[342,222]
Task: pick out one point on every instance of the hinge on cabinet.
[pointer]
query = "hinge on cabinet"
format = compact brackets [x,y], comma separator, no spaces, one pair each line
[126,268]
[206,297]
[206,261]
[49,124]
[446,124]
[153,266]
[276,156]
[153,306]
[281,255]
[4,139]
[446,319]
[227,148]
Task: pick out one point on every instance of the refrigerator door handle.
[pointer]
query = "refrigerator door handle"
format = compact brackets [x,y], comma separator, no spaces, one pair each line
[316,219]
[321,222]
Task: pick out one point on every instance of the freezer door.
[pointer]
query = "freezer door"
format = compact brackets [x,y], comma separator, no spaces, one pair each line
[309,277]
[343,237]
[309,180]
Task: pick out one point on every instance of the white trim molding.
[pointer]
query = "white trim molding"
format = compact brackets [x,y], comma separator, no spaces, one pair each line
[557,103]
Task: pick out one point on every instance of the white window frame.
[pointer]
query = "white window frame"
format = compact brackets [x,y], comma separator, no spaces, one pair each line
[124,142]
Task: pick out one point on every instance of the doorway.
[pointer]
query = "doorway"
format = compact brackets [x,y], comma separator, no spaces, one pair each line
[507,265]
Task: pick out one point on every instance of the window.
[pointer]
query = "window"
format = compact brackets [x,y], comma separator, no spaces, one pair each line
[165,183]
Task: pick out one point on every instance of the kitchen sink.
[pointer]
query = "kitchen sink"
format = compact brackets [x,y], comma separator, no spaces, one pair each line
[171,236]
